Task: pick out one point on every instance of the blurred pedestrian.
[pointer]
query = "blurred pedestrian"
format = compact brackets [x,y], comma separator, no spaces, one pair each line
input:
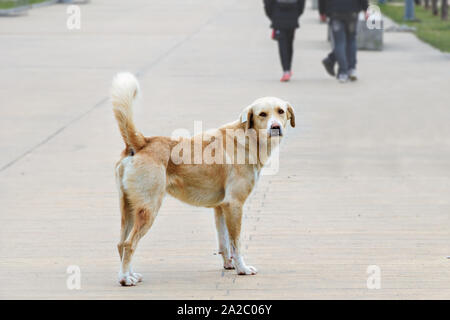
[284,16]
[343,19]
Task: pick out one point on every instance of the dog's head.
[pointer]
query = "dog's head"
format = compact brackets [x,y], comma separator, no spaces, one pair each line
[269,113]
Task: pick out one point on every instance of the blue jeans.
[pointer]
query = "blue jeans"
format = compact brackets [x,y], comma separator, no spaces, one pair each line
[343,30]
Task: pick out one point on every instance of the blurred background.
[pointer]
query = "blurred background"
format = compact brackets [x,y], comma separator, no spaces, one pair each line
[364,177]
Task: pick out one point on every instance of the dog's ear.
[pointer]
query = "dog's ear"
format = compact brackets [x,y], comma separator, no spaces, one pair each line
[290,114]
[247,117]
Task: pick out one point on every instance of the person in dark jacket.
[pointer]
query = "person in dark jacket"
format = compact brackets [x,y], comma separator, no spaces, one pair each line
[343,19]
[284,15]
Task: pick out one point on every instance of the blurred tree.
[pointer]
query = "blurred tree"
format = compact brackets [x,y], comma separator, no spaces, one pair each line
[434,7]
[444,10]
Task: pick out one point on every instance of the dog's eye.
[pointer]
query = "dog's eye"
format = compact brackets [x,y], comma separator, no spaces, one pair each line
[263,114]
[280,111]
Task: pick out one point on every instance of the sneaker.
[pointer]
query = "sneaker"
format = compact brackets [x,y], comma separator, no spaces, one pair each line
[329,67]
[352,75]
[286,76]
[342,78]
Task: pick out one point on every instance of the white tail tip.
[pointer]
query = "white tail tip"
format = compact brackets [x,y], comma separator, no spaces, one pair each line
[125,85]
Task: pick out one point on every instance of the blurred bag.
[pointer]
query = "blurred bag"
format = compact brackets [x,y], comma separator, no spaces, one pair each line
[275,34]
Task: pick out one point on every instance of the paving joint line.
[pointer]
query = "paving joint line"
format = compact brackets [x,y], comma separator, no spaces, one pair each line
[142,71]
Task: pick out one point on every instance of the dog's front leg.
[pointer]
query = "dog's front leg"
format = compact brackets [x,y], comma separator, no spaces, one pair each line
[233,218]
[223,238]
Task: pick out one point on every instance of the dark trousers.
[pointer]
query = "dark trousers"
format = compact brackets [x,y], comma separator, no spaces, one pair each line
[286,47]
[343,30]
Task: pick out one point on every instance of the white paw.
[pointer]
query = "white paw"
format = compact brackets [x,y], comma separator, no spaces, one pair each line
[245,270]
[137,276]
[126,280]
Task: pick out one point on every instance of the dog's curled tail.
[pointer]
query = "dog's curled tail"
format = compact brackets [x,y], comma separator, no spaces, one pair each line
[125,88]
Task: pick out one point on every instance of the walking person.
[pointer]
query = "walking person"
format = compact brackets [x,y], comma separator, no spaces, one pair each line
[343,19]
[284,16]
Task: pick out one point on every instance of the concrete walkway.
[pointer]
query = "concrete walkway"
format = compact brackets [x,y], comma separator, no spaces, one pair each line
[364,179]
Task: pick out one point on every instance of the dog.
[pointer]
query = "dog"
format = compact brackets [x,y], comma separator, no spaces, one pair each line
[150,167]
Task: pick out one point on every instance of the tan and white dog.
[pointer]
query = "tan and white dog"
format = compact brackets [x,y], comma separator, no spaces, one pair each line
[150,167]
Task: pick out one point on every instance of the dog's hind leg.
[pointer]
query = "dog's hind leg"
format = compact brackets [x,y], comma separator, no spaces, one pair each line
[126,220]
[223,238]
[144,197]
[142,223]
[126,224]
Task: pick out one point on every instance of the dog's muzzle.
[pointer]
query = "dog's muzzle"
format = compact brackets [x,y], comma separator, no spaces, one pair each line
[275,130]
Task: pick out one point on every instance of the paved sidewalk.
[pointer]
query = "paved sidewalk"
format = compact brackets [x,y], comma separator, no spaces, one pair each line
[364,178]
